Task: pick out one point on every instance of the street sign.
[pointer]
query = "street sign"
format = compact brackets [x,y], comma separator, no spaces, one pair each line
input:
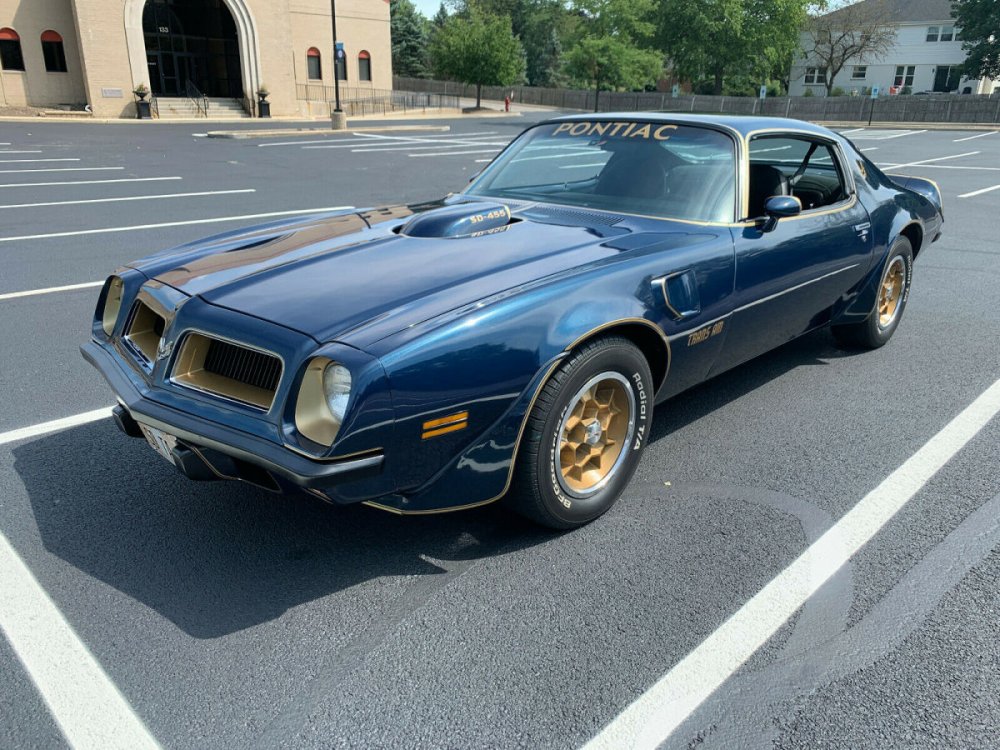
[763,91]
[339,51]
[675,91]
[875,90]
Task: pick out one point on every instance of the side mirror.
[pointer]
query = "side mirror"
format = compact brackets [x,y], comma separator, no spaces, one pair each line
[780,207]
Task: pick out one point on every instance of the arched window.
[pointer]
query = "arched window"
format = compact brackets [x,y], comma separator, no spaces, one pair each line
[53,52]
[10,50]
[314,66]
[364,66]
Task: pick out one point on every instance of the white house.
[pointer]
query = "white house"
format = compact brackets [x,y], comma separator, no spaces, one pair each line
[924,57]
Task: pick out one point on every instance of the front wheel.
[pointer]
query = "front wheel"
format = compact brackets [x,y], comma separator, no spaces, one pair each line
[585,435]
[893,291]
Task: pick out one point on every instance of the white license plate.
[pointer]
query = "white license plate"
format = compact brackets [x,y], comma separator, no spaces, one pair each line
[159,441]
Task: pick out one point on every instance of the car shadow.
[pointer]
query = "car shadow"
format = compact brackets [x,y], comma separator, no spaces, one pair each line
[813,349]
[215,558]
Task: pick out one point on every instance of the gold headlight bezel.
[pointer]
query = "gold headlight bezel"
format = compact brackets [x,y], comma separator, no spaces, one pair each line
[313,418]
[112,304]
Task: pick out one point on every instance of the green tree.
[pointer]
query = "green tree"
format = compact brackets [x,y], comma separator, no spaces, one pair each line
[540,25]
[720,38]
[440,18]
[478,49]
[613,45]
[979,21]
[612,63]
[409,40]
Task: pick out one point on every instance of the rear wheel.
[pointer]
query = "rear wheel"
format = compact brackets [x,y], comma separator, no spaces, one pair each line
[585,434]
[893,291]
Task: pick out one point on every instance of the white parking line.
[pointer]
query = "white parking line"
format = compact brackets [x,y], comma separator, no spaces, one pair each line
[425,148]
[902,135]
[946,166]
[62,169]
[870,148]
[980,192]
[31,161]
[341,138]
[50,290]
[973,137]
[43,428]
[663,707]
[87,182]
[387,142]
[855,130]
[138,227]
[459,153]
[929,161]
[130,198]
[87,706]
[21,152]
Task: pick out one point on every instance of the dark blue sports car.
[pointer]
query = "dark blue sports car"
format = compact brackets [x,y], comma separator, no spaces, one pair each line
[512,340]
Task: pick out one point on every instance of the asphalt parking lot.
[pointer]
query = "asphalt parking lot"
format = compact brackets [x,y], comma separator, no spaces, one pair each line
[224,616]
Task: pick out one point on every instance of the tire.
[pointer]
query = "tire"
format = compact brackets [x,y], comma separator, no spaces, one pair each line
[890,302]
[585,435]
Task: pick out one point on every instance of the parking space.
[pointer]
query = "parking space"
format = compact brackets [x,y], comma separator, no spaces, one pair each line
[225,616]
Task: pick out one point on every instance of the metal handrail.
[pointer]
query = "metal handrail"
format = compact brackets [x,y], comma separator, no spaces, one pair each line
[154,106]
[199,99]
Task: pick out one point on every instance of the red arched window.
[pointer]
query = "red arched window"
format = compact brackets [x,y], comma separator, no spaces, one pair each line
[314,67]
[53,52]
[10,50]
[364,66]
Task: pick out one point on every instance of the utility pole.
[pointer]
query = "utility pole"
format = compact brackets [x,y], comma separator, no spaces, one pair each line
[337,119]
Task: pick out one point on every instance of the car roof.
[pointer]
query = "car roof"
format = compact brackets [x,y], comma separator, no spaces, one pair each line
[744,125]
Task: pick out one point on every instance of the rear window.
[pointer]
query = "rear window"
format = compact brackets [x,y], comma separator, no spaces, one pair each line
[651,168]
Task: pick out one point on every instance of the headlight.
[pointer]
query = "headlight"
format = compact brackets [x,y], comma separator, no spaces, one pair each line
[112,304]
[322,401]
[337,387]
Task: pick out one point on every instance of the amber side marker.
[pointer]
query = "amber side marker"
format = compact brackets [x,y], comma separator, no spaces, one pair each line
[443,425]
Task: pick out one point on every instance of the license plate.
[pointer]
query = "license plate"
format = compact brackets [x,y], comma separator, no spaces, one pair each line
[159,441]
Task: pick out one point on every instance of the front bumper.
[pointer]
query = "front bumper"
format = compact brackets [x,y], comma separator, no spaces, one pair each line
[203,435]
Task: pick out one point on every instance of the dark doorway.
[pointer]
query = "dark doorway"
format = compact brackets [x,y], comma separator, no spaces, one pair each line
[946,78]
[191,43]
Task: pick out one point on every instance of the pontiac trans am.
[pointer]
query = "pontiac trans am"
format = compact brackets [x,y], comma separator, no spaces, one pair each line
[512,340]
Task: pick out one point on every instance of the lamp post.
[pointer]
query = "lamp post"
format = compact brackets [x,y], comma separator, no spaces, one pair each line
[337,119]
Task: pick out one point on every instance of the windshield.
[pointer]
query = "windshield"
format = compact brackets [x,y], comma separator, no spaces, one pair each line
[651,168]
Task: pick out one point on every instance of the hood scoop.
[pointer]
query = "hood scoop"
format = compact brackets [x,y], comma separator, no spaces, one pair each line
[460,220]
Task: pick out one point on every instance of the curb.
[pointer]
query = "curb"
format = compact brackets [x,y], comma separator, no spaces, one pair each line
[286,133]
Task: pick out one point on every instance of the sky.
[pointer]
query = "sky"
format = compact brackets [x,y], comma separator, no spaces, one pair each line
[427,7]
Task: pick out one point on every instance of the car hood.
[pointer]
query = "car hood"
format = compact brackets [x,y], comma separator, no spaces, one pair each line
[360,277]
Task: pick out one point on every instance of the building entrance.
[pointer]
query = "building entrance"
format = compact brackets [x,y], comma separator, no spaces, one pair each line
[191,43]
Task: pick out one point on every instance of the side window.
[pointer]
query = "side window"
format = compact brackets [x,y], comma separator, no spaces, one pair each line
[805,168]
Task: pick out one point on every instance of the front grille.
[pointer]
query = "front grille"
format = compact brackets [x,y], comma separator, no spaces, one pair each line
[231,371]
[243,365]
[144,330]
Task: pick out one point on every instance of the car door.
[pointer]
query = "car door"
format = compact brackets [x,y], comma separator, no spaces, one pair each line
[790,275]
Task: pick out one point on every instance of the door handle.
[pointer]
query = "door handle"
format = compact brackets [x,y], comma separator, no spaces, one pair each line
[680,294]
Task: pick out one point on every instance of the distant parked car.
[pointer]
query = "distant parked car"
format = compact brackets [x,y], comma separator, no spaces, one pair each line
[512,339]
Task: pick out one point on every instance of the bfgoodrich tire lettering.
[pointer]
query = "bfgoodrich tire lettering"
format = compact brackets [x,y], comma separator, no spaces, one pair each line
[585,435]
[890,301]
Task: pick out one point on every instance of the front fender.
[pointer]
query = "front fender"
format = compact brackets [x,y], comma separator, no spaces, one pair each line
[489,367]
